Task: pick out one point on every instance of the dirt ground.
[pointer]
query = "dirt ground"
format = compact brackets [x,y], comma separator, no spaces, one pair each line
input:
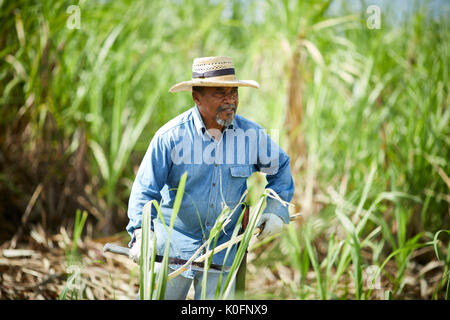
[42,269]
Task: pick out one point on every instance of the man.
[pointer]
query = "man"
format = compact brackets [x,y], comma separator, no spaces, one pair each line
[219,150]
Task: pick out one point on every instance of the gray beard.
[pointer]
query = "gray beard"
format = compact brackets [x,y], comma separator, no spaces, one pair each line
[227,122]
[224,123]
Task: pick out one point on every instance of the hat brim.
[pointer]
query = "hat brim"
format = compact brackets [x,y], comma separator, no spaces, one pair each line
[187,85]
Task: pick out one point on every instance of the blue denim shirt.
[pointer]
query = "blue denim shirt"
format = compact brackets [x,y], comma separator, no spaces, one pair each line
[217,173]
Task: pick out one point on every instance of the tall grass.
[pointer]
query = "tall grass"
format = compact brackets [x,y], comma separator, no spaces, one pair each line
[365,110]
[368,110]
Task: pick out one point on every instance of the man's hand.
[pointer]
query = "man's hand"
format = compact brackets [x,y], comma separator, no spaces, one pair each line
[270,224]
[135,251]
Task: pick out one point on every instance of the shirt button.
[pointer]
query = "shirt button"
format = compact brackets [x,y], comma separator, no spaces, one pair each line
[213,184]
[216,165]
[211,205]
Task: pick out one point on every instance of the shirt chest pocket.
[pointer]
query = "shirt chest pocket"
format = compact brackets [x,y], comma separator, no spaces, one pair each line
[237,183]
[243,171]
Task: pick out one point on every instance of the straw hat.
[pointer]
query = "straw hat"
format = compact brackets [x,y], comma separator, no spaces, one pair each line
[213,72]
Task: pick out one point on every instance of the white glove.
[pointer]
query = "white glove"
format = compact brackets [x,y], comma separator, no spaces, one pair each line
[135,251]
[270,223]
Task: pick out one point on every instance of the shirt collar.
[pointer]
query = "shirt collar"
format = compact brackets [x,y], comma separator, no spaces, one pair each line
[200,126]
[198,121]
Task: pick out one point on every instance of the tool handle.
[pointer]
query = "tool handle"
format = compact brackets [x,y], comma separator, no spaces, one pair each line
[114,248]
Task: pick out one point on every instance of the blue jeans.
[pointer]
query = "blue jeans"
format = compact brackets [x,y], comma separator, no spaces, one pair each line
[178,287]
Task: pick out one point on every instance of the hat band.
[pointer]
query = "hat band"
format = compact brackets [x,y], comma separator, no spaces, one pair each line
[214,73]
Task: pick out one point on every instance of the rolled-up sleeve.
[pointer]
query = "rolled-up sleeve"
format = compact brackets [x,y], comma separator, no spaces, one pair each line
[279,177]
[283,185]
[150,179]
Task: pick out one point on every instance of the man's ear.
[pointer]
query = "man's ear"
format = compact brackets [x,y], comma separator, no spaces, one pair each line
[195,97]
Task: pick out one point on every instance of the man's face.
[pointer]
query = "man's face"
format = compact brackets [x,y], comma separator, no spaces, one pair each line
[217,104]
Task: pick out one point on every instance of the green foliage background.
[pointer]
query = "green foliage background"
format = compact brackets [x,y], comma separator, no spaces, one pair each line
[79,106]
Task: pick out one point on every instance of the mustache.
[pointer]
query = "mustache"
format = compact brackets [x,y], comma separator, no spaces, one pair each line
[226,106]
